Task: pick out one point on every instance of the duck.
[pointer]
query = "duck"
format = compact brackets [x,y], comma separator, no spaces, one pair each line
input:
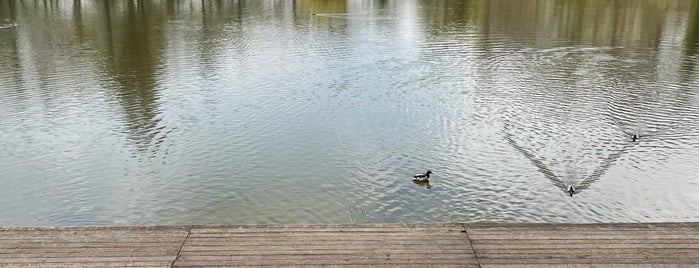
[634,137]
[422,176]
[571,190]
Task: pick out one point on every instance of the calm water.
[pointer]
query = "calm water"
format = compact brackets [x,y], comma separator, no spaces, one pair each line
[240,112]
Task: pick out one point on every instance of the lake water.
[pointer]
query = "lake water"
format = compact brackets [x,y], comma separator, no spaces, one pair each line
[243,112]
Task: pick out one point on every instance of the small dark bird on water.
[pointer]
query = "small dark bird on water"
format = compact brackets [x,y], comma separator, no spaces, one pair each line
[422,176]
[571,190]
[634,137]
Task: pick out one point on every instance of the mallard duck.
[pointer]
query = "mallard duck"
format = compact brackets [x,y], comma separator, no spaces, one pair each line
[571,190]
[634,137]
[422,176]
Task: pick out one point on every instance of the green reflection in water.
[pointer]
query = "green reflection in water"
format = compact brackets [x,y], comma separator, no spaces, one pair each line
[136,42]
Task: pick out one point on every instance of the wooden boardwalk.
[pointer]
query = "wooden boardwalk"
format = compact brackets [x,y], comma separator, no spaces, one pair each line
[370,245]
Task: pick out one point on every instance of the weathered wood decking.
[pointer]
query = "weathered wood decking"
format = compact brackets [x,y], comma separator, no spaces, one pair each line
[373,245]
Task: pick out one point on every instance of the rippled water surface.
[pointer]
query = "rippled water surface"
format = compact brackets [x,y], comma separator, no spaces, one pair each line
[240,112]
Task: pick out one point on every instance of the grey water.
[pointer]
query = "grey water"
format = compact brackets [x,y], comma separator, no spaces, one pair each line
[310,111]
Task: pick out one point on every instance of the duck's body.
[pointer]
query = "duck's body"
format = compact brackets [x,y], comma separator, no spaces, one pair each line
[634,137]
[422,176]
[571,190]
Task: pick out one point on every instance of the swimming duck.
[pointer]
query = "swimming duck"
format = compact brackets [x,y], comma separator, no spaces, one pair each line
[422,177]
[634,137]
[571,190]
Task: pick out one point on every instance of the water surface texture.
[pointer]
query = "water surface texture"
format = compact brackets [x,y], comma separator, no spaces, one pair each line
[243,112]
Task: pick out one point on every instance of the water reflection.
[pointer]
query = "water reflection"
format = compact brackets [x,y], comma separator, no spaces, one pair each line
[8,45]
[323,7]
[425,184]
[691,43]
[133,58]
[8,15]
[158,112]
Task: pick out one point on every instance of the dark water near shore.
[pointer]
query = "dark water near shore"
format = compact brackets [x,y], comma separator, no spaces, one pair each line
[240,112]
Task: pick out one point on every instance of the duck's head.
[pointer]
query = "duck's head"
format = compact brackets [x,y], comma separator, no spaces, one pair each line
[634,137]
[428,172]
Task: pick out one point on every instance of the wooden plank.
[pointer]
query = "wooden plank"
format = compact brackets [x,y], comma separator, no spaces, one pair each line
[438,228]
[582,245]
[376,245]
[93,232]
[359,245]
[130,229]
[161,264]
[330,261]
[587,265]
[326,234]
[106,232]
[324,230]
[34,245]
[599,251]
[588,261]
[335,252]
[348,238]
[403,265]
[584,255]
[79,237]
[554,227]
[90,253]
[582,230]
[86,259]
[331,228]
[330,265]
[91,246]
[583,241]
[311,241]
[236,248]
[115,240]
[510,245]
[324,256]
[580,236]
[435,225]
[574,232]
[612,226]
